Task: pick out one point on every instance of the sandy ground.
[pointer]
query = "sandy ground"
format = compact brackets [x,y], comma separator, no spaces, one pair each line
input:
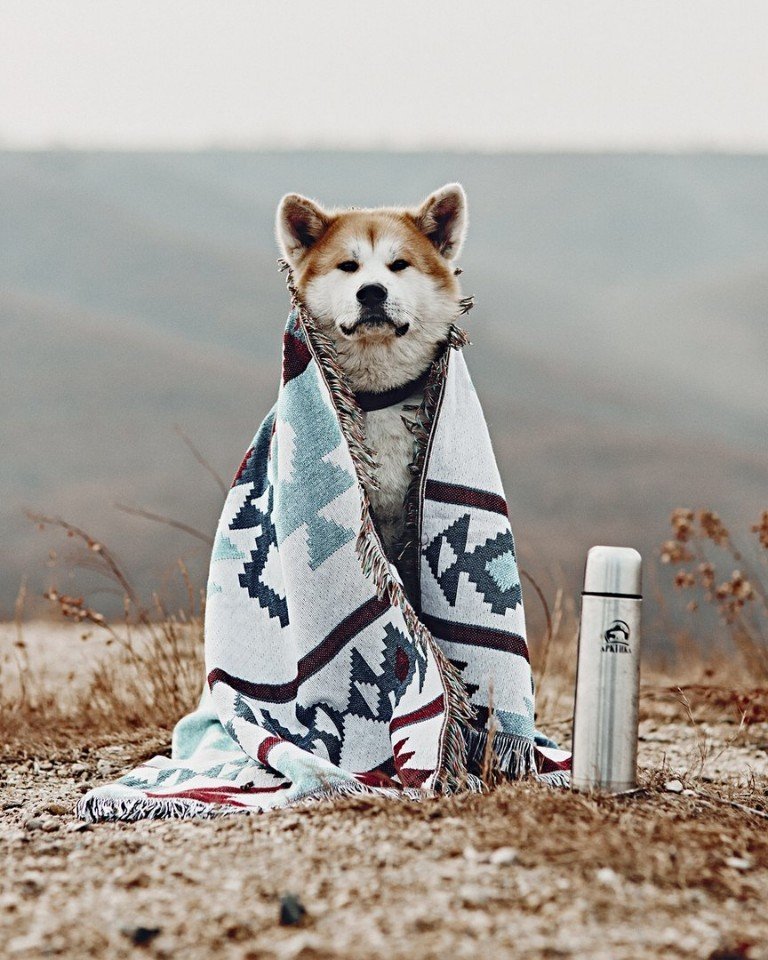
[522,871]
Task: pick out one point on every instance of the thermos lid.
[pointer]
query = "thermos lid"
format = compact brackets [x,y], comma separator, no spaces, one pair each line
[615,571]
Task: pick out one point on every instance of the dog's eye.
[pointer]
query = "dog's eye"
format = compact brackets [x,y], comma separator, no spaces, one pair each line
[348,266]
[397,265]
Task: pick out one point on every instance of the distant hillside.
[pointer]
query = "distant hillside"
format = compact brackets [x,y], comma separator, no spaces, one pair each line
[620,336]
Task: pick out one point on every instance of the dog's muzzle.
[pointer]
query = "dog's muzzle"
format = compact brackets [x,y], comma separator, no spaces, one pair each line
[370,319]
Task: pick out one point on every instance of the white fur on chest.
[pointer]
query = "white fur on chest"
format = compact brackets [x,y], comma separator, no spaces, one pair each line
[393,444]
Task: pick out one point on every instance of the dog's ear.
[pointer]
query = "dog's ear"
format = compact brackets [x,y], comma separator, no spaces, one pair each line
[300,224]
[443,218]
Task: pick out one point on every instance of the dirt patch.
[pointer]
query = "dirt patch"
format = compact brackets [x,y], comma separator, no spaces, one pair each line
[670,871]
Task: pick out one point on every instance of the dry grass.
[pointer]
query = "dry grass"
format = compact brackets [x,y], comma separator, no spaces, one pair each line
[703,552]
[145,670]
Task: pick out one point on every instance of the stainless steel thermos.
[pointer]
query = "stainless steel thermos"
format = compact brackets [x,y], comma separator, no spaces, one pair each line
[608,672]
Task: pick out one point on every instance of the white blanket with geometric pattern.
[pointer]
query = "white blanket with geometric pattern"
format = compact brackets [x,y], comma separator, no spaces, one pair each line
[323,675]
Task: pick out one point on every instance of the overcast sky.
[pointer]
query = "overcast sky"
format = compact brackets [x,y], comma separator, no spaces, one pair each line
[478,74]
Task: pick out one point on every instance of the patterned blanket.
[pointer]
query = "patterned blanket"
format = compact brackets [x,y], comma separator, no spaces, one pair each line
[329,669]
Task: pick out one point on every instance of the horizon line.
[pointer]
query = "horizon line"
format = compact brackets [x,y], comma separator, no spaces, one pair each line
[653,149]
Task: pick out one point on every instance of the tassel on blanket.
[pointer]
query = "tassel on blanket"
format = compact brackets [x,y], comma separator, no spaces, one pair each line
[95,807]
[511,756]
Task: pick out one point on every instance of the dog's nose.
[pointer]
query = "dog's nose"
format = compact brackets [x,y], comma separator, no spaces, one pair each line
[372,294]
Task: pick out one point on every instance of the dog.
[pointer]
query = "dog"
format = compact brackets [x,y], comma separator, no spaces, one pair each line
[382,284]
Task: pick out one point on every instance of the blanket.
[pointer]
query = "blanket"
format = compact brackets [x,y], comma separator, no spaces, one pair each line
[331,670]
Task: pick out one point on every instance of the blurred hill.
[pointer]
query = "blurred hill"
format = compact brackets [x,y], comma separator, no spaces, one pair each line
[620,337]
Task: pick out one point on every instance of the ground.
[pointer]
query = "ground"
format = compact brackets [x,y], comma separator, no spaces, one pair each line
[676,869]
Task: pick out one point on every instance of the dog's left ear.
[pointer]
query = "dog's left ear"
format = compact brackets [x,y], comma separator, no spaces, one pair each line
[443,218]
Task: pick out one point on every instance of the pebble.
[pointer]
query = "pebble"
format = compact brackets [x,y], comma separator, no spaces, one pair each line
[77,826]
[34,824]
[292,910]
[239,932]
[607,877]
[12,804]
[738,863]
[673,786]
[31,884]
[32,943]
[9,902]
[504,856]
[140,935]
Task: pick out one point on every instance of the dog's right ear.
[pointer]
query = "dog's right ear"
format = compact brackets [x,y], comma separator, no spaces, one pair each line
[300,224]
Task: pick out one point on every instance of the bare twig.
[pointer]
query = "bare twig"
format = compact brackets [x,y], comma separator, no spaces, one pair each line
[489,771]
[18,612]
[732,803]
[553,626]
[544,604]
[107,557]
[168,521]
[702,742]
[20,647]
[204,463]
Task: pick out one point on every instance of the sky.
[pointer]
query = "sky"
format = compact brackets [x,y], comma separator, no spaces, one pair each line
[483,75]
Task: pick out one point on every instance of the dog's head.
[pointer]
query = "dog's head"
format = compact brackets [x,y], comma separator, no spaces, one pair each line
[382,279]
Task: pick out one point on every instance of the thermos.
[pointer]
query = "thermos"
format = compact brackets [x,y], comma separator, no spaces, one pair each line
[608,672]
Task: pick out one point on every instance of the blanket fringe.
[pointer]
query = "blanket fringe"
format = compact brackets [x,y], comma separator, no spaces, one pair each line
[338,790]
[96,808]
[558,778]
[512,756]
[452,774]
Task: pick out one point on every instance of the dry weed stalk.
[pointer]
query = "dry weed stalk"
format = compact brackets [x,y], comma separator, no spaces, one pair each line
[168,521]
[490,772]
[701,545]
[203,460]
[554,659]
[155,675]
[19,645]
[704,746]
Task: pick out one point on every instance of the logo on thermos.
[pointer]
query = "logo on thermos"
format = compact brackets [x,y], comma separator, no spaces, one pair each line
[616,638]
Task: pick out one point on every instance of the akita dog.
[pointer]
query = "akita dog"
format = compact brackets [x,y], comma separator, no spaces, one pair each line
[382,284]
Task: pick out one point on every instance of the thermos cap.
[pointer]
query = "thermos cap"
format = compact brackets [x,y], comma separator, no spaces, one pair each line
[613,571]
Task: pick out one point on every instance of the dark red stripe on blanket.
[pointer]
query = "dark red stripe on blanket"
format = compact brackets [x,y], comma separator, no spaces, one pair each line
[309,664]
[545,764]
[477,636]
[296,357]
[241,468]
[465,496]
[216,794]
[265,746]
[374,778]
[433,709]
